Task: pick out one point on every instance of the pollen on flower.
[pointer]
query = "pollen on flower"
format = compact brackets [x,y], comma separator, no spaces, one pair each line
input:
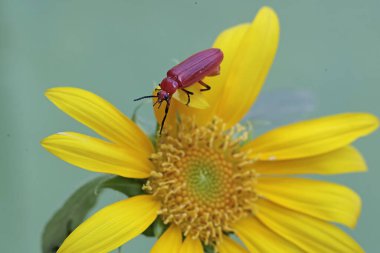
[202,180]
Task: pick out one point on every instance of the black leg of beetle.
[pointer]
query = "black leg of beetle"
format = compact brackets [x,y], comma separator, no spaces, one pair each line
[188,93]
[166,114]
[154,104]
[159,106]
[207,87]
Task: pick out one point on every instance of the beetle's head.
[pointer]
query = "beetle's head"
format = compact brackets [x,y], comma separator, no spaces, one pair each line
[162,96]
[168,87]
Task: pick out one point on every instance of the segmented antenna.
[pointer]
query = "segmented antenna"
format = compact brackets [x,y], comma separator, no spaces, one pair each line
[137,99]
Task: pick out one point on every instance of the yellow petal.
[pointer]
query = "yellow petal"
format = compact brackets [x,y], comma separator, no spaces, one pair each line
[101,116]
[227,245]
[249,50]
[327,201]
[228,41]
[312,137]
[97,155]
[344,160]
[249,67]
[112,226]
[310,234]
[169,242]
[191,246]
[259,239]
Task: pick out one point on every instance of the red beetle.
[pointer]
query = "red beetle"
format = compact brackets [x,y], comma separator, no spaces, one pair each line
[190,71]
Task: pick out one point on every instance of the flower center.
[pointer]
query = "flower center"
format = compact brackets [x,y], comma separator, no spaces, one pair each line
[202,180]
[206,176]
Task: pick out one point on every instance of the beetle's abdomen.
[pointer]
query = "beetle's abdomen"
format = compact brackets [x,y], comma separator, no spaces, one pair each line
[197,67]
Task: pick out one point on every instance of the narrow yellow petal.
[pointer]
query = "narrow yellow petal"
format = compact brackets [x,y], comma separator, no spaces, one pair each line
[112,226]
[259,239]
[227,245]
[249,67]
[228,41]
[101,116]
[323,200]
[343,160]
[97,155]
[310,234]
[312,137]
[191,246]
[169,242]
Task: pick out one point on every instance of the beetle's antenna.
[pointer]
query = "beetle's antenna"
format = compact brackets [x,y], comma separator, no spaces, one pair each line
[137,99]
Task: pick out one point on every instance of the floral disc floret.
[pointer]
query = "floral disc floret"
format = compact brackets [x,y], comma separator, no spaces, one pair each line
[202,180]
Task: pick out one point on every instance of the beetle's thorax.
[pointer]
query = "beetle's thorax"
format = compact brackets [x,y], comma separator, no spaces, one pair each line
[169,85]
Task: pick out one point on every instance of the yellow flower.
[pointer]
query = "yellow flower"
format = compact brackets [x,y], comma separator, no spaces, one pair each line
[204,180]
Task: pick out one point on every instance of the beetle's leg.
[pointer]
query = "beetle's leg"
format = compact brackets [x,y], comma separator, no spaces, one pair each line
[188,93]
[156,103]
[166,114]
[207,87]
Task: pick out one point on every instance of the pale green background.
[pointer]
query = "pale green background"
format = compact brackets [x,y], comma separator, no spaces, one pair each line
[118,48]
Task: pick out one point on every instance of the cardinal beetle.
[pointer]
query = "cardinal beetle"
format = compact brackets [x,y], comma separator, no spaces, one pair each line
[190,71]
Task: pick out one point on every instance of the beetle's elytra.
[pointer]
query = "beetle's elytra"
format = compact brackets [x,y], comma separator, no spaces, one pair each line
[190,71]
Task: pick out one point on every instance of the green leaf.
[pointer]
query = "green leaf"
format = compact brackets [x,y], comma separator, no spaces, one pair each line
[128,186]
[76,208]
[159,227]
[208,249]
[155,229]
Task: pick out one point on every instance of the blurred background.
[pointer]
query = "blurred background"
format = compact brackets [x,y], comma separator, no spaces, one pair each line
[329,50]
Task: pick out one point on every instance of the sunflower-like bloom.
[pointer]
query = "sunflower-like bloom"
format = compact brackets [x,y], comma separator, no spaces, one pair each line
[205,179]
